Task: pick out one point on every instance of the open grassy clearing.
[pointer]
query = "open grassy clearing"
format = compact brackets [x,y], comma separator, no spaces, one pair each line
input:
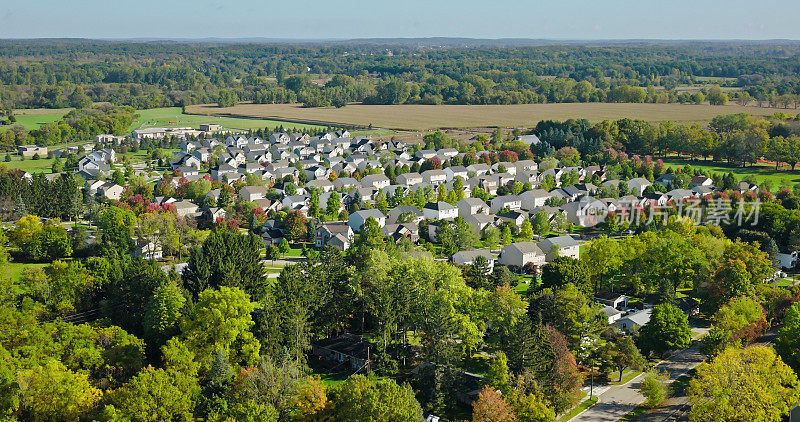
[424,117]
[33,118]
[14,269]
[760,171]
[173,117]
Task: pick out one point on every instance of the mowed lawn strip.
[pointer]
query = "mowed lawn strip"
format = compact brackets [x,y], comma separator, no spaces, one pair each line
[174,117]
[760,171]
[425,117]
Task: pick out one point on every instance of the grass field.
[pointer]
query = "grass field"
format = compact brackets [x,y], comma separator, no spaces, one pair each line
[172,117]
[760,171]
[424,117]
[33,118]
[14,270]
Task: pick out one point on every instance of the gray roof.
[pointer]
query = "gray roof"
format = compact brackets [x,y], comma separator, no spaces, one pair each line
[562,241]
[639,318]
[525,247]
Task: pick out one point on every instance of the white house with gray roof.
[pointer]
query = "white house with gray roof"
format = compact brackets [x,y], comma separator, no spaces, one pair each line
[522,253]
[357,219]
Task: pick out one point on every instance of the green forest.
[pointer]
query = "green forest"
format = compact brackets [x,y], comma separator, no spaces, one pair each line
[68,73]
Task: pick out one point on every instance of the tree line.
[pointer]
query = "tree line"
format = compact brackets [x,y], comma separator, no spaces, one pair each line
[147,75]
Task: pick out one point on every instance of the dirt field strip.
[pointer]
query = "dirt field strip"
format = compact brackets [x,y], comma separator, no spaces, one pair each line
[426,117]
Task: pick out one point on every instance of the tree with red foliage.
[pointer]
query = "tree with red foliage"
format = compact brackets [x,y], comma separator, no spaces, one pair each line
[509,156]
[432,164]
[296,226]
[490,407]
[563,384]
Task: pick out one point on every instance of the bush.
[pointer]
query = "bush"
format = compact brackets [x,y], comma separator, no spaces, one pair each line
[654,389]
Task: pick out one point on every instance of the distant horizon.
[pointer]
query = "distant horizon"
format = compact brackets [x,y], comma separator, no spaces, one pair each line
[362,19]
[431,38]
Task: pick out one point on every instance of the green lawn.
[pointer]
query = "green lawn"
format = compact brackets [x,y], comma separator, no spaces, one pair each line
[760,172]
[172,116]
[784,282]
[33,118]
[14,270]
[41,165]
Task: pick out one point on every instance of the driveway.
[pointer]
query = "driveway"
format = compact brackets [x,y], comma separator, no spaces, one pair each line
[619,400]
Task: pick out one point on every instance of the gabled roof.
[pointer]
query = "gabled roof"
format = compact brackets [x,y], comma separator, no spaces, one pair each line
[439,206]
[525,248]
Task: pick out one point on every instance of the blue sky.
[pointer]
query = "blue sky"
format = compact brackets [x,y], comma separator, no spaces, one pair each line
[304,19]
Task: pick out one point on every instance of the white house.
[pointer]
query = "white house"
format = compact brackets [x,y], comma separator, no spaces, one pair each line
[586,212]
[534,198]
[522,253]
[512,202]
[468,257]
[637,186]
[471,206]
[456,171]
[358,218]
[564,245]
[111,191]
[439,211]
[409,179]
[434,177]
[252,193]
[378,181]
[634,320]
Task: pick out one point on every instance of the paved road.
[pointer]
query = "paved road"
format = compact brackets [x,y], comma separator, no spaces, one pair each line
[618,400]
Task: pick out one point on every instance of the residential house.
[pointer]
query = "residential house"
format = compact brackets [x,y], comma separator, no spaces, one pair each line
[468,257]
[252,193]
[456,171]
[358,218]
[700,181]
[560,246]
[413,212]
[29,151]
[480,221]
[185,208]
[439,211]
[434,177]
[471,206]
[409,179]
[634,320]
[512,202]
[343,183]
[326,232]
[636,186]
[479,168]
[531,199]
[347,349]
[322,185]
[378,181]
[585,212]
[519,254]
[111,191]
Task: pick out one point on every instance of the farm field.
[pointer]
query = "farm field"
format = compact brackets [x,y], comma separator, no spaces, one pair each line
[172,117]
[760,171]
[426,117]
[33,118]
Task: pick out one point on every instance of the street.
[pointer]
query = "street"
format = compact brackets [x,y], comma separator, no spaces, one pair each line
[616,401]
